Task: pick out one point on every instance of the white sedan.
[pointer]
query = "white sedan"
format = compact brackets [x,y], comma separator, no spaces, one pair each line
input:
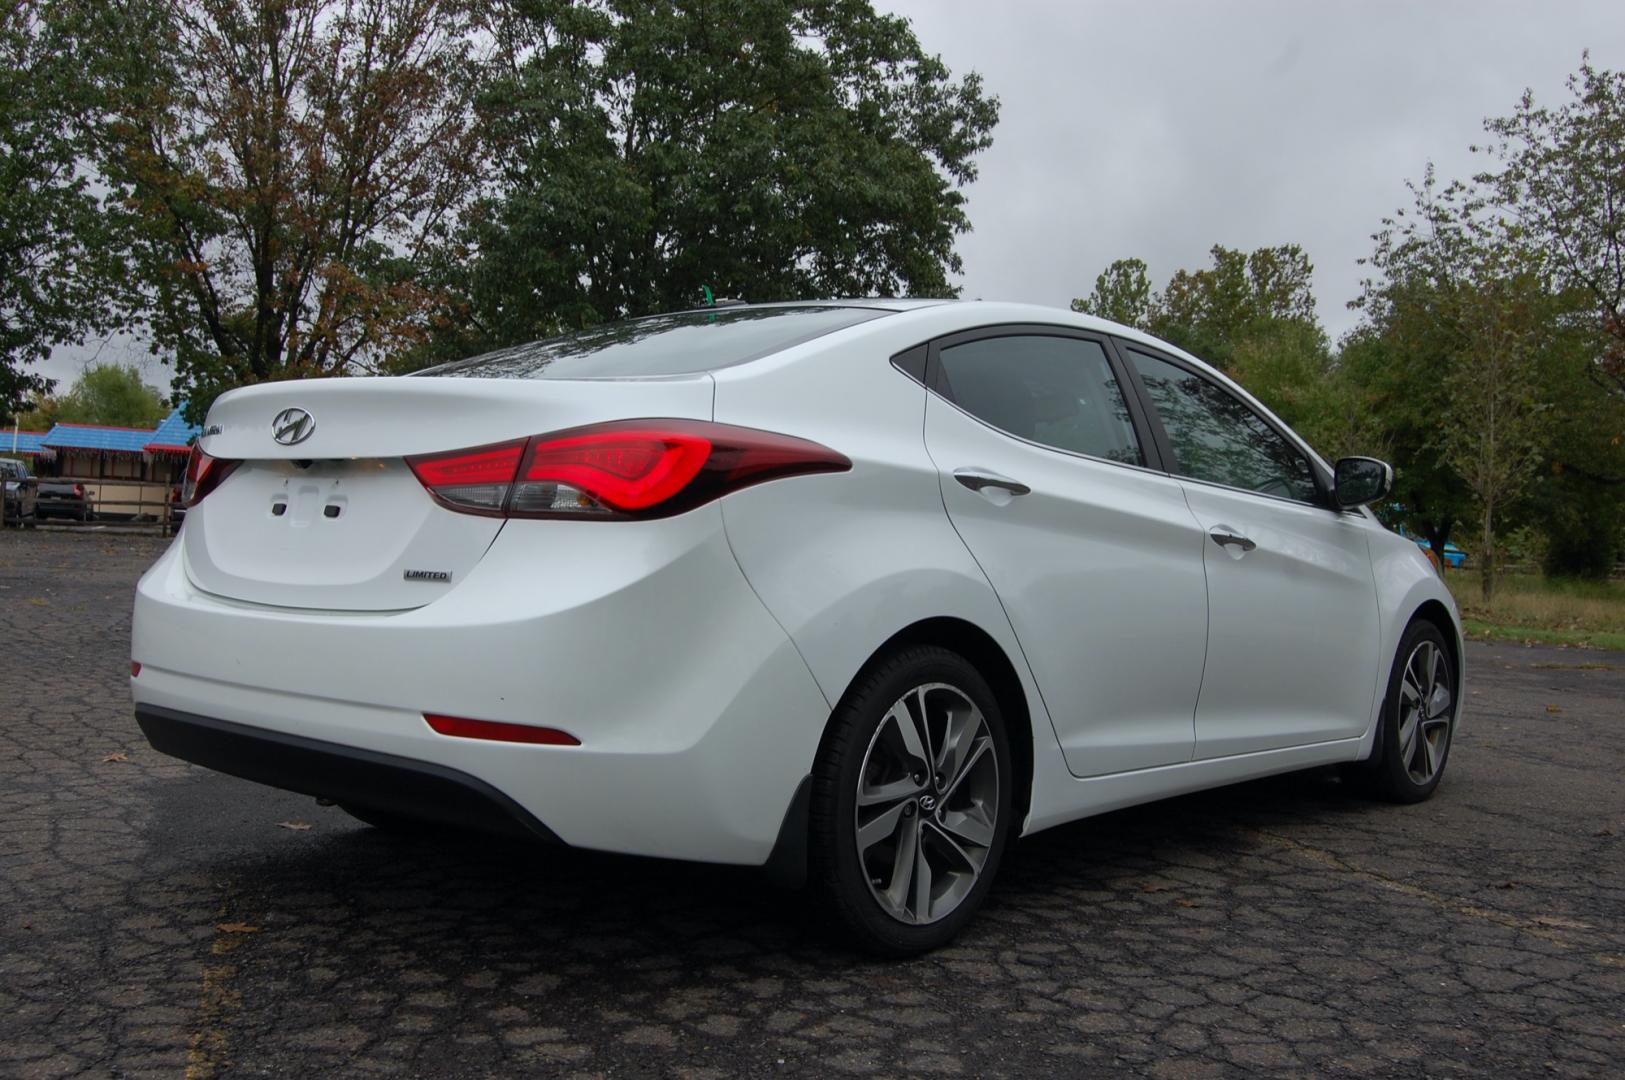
[854,591]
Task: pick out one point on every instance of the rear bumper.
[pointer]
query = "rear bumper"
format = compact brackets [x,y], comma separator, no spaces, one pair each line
[344,774]
[697,717]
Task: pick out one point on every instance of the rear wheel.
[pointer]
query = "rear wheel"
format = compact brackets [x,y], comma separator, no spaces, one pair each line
[911,802]
[1418,720]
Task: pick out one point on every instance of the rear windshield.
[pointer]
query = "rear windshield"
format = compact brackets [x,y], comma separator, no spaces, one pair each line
[661,344]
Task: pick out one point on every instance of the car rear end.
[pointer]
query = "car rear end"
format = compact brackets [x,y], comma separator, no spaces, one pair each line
[504,601]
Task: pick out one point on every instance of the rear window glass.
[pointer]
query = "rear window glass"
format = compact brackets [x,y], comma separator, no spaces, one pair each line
[661,344]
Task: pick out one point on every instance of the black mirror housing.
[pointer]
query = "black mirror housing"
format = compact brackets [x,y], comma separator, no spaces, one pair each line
[1361,481]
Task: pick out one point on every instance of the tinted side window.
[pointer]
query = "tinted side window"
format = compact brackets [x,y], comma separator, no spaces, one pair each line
[1052,390]
[1217,437]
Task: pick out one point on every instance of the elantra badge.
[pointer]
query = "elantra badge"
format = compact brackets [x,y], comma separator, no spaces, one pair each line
[291,426]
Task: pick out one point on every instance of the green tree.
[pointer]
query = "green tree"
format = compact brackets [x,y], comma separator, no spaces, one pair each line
[765,149]
[111,394]
[1122,293]
[1461,291]
[1209,311]
[1562,176]
[58,253]
[292,165]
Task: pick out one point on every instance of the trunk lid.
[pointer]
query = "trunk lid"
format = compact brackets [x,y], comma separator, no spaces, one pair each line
[337,521]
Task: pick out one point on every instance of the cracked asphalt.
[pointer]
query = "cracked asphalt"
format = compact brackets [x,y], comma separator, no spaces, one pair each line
[160,920]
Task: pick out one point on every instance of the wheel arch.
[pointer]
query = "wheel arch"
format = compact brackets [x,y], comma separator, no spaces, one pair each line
[989,658]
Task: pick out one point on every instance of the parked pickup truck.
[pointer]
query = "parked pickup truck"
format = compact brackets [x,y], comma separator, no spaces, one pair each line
[64,499]
[22,493]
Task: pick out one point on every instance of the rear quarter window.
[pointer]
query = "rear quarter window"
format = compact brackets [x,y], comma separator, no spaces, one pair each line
[680,344]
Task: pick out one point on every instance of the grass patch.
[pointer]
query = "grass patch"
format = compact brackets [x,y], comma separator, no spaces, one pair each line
[1533,608]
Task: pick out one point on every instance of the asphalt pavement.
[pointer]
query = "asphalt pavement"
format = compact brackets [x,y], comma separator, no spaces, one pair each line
[160,920]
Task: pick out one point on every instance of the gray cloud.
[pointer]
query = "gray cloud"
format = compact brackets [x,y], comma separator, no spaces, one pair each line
[1160,129]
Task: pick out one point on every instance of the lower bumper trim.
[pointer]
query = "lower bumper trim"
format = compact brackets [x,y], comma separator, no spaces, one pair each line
[346,775]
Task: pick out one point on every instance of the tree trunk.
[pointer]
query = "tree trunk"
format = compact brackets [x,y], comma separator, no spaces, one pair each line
[1487,571]
[1437,539]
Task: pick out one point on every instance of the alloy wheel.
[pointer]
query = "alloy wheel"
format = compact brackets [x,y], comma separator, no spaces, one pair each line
[1426,701]
[927,804]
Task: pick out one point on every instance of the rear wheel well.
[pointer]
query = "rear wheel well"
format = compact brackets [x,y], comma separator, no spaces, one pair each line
[978,647]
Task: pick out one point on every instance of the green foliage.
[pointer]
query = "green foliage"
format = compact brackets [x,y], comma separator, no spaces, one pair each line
[1208,312]
[1562,177]
[112,394]
[768,149]
[58,239]
[1122,294]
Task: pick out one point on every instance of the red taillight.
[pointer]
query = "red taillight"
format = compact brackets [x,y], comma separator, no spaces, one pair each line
[135,668]
[622,469]
[499,732]
[203,475]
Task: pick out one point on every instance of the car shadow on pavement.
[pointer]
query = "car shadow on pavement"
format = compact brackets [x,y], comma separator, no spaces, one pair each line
[456,901]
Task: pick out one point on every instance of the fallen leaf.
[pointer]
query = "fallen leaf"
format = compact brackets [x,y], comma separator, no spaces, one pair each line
[1553,709]
[39,602]
[1187,903]
[1505,884]
[1152,886]
[237,928]
[296,826]
[117,755]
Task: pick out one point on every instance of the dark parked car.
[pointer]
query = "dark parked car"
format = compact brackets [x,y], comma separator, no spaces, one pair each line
[65,499]
[22,493]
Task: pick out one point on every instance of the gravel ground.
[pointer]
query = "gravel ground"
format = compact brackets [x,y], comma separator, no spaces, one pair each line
[160,920]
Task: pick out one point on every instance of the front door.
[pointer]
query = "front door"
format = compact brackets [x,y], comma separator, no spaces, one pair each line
[1293,634]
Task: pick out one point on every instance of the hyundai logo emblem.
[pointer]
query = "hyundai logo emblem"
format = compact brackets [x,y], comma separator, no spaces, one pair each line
[291,426]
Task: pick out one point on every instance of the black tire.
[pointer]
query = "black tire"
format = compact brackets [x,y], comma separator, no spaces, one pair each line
[1391,773]
[935,679]
[397,824]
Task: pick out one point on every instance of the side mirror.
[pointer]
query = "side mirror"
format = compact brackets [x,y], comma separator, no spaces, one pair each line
[1361,481]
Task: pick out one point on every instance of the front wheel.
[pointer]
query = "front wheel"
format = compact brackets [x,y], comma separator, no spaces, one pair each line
[1418,720]
[911,802]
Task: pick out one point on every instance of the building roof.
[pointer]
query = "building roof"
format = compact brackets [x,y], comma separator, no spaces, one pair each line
[26,442]
[114,440]
[174,435]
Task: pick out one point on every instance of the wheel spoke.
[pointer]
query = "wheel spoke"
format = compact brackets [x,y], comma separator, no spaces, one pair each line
[883,827]
[1438,704]
[908,731]
[1429,753]
[1409,692]
[959,738]
[970,827]
[922,883]
[902,867]
[874,795]
[984,746]
[1408,732]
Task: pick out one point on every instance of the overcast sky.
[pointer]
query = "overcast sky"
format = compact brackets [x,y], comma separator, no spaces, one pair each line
[1157,129]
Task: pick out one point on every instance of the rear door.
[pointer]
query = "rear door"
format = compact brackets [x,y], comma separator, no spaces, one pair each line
[1093,552]
[1293,635]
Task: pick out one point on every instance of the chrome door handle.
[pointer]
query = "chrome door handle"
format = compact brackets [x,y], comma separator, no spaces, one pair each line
[977,479]
[1225,537]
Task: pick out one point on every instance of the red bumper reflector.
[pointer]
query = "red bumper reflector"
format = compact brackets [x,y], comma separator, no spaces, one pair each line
[500,732]
[135,668]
